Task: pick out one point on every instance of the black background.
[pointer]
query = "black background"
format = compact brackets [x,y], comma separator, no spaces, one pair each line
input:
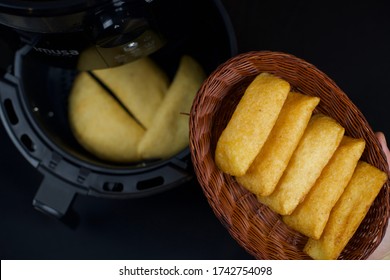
[349,41]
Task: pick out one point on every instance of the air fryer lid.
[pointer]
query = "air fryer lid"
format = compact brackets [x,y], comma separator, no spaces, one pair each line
[33,96]
[26,14]
[47,7]
[98,33]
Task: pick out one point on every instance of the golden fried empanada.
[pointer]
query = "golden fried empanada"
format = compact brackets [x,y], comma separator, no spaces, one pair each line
[311,215]
[317,145]
[269,165]
[250,124]
[348,212]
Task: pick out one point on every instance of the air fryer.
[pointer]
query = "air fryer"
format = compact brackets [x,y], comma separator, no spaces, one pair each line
[38,79]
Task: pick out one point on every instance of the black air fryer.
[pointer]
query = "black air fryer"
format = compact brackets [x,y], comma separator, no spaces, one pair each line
[47,42]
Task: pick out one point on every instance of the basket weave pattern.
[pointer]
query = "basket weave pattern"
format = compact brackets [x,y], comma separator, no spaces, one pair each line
[254,226]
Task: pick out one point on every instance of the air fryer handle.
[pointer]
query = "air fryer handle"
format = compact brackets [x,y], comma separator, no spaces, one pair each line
[54,197]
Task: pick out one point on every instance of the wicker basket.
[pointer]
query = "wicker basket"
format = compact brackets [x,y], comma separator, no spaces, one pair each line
[254,226]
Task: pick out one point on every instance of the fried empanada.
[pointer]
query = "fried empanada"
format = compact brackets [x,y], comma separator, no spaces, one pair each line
[100,124]
[311,215]
[250,124]
[140,86]
[269,165]
[348,212]
[317,145]
[168,133]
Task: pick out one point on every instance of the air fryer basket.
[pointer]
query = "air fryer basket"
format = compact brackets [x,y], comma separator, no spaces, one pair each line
[33,109]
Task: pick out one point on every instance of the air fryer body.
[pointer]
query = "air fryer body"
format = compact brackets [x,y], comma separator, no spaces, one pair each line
[38,79]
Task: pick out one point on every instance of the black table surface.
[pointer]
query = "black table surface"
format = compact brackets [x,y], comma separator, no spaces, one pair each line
[349,41]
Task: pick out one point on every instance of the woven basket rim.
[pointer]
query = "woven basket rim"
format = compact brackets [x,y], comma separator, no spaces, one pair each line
[233,205]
